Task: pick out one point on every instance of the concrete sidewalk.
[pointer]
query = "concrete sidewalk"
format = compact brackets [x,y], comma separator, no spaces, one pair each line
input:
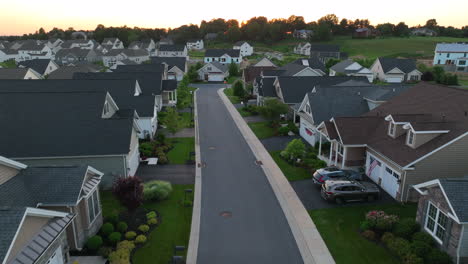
[308,239]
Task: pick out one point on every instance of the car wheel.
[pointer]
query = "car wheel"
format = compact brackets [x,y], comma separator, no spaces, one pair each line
[339,200]
[370,198]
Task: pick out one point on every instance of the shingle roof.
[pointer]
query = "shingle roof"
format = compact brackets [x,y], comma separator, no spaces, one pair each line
[452,47]
[239,43]
[10,219]
[135,52]
[171,47]
[405,65]
[312,62]
[222,67]
[324,47]
[266,88]
[66,72]
[78,52]
[154,67]
[39,65]
[179,62]
[341,66]
[455,189]
[252,72]
[221,52]
[13,73]
[169,85]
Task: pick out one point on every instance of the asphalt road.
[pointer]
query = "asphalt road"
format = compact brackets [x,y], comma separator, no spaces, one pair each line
[253,228]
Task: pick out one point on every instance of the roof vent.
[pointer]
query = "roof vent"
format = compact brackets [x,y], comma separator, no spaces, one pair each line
[305,62]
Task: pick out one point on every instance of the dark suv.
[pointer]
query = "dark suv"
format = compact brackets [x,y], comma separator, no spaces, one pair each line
[345,191]
[333,173]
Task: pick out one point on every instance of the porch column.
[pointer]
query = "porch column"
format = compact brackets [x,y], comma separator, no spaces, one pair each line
[331,151]
[320,144]
[345,150]
[336,153]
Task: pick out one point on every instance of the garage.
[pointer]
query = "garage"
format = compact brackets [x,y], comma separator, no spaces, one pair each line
[215,77]
[307,133]
[394,79]
[383,175]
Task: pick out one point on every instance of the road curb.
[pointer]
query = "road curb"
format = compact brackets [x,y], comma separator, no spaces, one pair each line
[311,245]
[192,251]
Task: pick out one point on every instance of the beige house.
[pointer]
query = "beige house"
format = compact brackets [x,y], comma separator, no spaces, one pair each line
[48,210]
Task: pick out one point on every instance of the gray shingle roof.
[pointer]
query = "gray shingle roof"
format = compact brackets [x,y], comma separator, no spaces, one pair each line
[452,47]
[405,65]
[10,219]
[171,61]
[66,72]
[169,85]
[154,67]
[312,62]
[39,65]
[12,73]
[455,189]
[239,43]
[266,88]
[324,47]
[222,67]
[220,52]
[135,52]
[171,47]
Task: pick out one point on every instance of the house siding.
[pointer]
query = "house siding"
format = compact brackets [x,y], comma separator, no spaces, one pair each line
[31,226]
[463,249]
[61,241]
[7,173]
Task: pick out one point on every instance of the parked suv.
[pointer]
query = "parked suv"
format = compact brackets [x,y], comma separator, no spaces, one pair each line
[344,191]
[333,173]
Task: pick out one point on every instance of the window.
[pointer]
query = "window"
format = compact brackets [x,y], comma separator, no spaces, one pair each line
[391,129]
[436,222]
[414,78]
[308,109]
[93,206]
[106,108]
[410,139]
[448,55]
[462,62]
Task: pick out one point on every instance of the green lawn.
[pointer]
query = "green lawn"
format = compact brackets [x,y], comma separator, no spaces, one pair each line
[196,54]
[262,130]
[180,152]
[8,64]
[232,79]
[186,118]
[244,113]
[339,229]
[291,172]
[229,93]
[173,230]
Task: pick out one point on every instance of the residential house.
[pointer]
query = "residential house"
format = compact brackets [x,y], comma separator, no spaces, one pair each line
[137,55]
[88,44]
[195,44]
[42,66]
[426,32]
[442,213]
[66,72]
[303,33]
[351,68]
[264,62]
[8,54]
[19,73]
[70,128]
[55,44]
[172,51]
[113,56]
[302,49]
[165,41]
[148,45]
[452,56]
[326,51]
[413,138]
[364,33]
[159,69]
[223,56]
[30,49]
[76,56]
[393,70]
[250,73]
[112,43]
[176,66]
[213,72]
[245,48]
[68,192]
[263,88]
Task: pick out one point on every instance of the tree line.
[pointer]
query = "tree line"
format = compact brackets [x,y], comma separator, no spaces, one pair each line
[255,29]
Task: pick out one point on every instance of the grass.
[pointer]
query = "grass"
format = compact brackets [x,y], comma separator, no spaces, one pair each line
[339,229]
[196,54]
[180,152]
[232,79]
[173,230]
[229,93]
[244,113]
[8,64]
[291,172]
[186,119]
[262,130]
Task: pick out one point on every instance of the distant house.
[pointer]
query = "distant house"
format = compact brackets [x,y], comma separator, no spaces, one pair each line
[111,58]
[9,54]
[42,66]
[211,36]
[452,56]
[303,33]
[148,45]
[76,55]
[302,49]
[394,70]
[67,72]
[245,48]
[136,55]
[113,43]
[351,68]
[442,213]
[213,72]
[299,67]
[79,43]
[223,56]
[363,33]
[19,74]
[325,51]
[177,66]
[423,32]
[165,41]
[195,44]
[31,49]
[264,62]
[172,51]
[250,73]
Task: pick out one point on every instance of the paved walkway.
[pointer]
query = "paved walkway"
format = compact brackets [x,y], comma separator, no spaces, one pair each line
[186,132]
[278,143]
[241,218]
[87,260]
[173,173]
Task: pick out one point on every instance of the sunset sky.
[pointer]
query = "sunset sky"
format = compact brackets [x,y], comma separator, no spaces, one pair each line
[26,16]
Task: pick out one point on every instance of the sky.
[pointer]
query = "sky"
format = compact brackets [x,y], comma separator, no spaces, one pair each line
[27,16]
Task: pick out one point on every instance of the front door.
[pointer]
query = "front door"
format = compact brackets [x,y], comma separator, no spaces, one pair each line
[57,257]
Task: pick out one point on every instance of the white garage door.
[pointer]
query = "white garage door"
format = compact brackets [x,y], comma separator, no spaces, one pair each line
[56,258]
[133,163]
[393,79]
[381,174]
[213,77]
[390,181]
[373,168]
[307,133]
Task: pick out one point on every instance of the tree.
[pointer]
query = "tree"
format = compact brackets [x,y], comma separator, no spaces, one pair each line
[234,33]
[439,73]
[238,90]
[129,191]
[295,149]
[193,73]
[183,93]
[386,29]
[233,70]
[173,122]
[401,30]
[431,23]
[273,108]
[323,32]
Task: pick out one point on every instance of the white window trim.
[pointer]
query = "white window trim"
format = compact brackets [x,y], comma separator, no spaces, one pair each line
[410,132]
[96,214]
[433,233]
[391,129]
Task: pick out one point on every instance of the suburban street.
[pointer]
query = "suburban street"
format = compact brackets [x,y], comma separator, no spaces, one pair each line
[241,219]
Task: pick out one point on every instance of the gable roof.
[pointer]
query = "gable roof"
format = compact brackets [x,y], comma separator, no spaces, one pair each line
[172,48]
[240,43]
[39,65]
[342,65]
[66,72]
[252,72]
[169,85]
[312,62]
[266,87]
[179,62]
[222,67]
[153,67]
[135,52]
[10,220]
[451,47]
[78,52]
[405,65]
[13,73]
[455,189]
[324,48]
[220,52]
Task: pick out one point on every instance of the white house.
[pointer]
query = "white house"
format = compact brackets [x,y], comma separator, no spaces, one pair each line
[303,49]
[303,33]
[452,56]
[213,72]
[195,44]
[394,70]
[172,51]
[114,43]
[351,68]
[245,48]
[224,56]
[19,74]
[42,66]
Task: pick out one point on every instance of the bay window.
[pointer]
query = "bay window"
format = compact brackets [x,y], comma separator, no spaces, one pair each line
[436,222]
[93,206]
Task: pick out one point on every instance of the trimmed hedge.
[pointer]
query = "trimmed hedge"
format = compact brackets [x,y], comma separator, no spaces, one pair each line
[140,239]
[94,242]
[115,237]
[122,227]
[143,228]
[130,235]
[107,229]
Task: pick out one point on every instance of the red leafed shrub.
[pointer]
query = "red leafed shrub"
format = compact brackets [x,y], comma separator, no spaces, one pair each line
[129,191]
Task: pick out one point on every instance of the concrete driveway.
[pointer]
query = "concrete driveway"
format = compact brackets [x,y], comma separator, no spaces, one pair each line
[173,173]
[241,219]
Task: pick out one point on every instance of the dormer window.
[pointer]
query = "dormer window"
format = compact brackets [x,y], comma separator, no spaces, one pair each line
[391,129]
[410,138]
[308,109]
[106,108]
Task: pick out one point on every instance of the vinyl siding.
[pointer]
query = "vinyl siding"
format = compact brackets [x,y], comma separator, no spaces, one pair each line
[463,251]
[31,226]
[7,173]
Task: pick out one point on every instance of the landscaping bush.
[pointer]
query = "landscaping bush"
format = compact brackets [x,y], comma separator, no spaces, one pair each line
[161,138]
[412,259]
[387,238]
[146,149]
[406,228]
[423,237]
[140,239]
[120,256]
[365,225]
[94,242]
[283,131]
[107,228]
[152,221]
[436,256]
[295,149]
[143,228]
[151,214]
[292,127]
[112,218]
[162,157]
[126,245]
[130,235]
[115,237]
[105,251]
[381,222]
[399,246]
[238,89]
[122,227]
[156,190]
[420,249]
[129,192]
[369,234]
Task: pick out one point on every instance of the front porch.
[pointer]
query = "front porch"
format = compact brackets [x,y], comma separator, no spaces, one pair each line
[169,98]
[338,155]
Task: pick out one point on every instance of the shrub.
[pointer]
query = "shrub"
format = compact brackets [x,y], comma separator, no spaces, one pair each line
[130,235]
[387,238]
[140,239]
[125,244]
[369,234]
[292,127]
[146,149]
[157,190]
[406,228]
[238,89]
[143,228]
[420,249]
[129,191]
[412,259]
[400,247]
[365,225]
[162,158]
[283,131]
[113,218]
[152,221]
[122,227]
[120,256]
[107,228]
[115,237]
[105,251]
[380,221]
[423,237]
[151,214]
[436,256]
[94,242]
[295,149]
